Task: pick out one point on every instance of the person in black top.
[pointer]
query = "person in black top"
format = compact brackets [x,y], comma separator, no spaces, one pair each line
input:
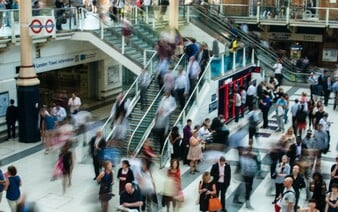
[11,118]
[221,173]
[298,183]
[97,144]
[131,198]
[59,13]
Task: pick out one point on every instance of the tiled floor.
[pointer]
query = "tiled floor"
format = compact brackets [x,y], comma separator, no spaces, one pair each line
[83,194]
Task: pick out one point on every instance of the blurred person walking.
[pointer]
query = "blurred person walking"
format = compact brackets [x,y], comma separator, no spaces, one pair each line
[74,104]
[181,87]
[193,72]
[12,188]
[221,173]
[106,181]
[174,187]
[143,83]
[11,118]
[68,164]
[165,108]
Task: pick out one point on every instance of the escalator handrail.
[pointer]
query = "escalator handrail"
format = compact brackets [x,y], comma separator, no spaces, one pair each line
[288,66]
[147,132]
[186,104]
[126,94]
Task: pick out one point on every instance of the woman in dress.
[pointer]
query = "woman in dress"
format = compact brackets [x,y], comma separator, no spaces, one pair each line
[174,175]
[332,199]
[334,174]
[12,187]
[206,189]
[105,179]
[195,151]
[318,187]
[125,175]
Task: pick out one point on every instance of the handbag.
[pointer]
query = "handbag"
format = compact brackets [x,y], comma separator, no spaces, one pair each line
[214,204]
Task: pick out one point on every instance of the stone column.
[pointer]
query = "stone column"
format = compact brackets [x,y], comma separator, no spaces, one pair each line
[27,81]
[173,14]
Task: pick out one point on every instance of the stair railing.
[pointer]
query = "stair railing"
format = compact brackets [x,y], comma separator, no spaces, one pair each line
[193,99]
[152,105]
[133,92]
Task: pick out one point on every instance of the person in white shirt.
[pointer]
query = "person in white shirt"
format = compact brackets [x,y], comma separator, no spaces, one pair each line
[250,95]
[181,87]
[243,98]
[278,71]
[238,105]
[74,104]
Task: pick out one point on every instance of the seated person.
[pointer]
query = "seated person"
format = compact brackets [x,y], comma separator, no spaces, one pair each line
[131,198]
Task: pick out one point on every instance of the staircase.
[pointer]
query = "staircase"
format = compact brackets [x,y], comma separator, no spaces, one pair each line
[142,38]
[266,56]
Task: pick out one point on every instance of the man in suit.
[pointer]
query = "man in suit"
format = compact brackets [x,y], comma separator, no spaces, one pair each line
[97,144]
[221,174]
[11,118]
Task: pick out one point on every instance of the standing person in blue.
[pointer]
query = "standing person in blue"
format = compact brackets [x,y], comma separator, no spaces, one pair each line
[264,105]
[12,188]
[221,173]
[11,118]
[193,72]
[105,179]
[50,125]
[185,142]
[313,81]
[280,109]
[59,13]
[97,144]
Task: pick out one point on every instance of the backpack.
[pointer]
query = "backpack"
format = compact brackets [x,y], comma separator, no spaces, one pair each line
[277,205]
[301,115]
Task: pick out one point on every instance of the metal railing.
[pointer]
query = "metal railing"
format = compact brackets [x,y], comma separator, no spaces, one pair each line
[193,99]
[132,93]
[152,105]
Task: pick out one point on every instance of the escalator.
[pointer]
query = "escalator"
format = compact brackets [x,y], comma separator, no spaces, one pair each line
[267,57]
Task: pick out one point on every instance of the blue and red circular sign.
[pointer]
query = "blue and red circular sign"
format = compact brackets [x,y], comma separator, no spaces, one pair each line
[49,26]
[36,26]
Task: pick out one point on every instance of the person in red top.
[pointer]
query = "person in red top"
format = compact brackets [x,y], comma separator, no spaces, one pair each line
[174,175]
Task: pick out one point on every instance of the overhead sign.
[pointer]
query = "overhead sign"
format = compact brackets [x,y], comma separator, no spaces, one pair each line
[294,36]
[42,26]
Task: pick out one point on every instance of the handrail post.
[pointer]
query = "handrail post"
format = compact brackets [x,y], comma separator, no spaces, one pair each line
[222,65]
[258,13]
[234,60]
[327,17]
[81,19]
[252,55]
[144,57]
[244,57]
[12,23]
[136,14]
[102,31]
[221,9]
[287,15]
[123,43]
[188,14]
[77,18]
[147,14]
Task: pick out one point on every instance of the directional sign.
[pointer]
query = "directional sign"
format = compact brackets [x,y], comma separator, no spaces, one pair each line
[49,26]
[36,26]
